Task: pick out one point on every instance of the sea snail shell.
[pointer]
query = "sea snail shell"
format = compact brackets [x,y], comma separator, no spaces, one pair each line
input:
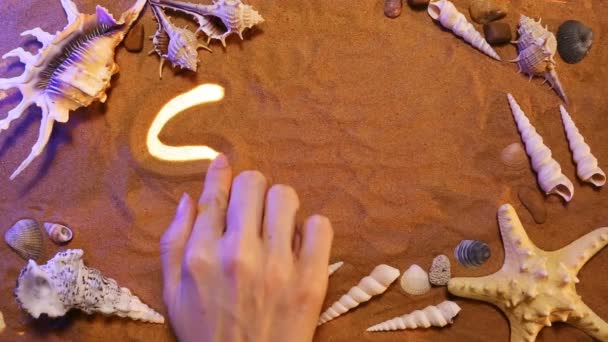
[59,233]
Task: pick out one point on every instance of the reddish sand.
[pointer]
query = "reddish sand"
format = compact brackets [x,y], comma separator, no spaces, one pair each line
[392,128]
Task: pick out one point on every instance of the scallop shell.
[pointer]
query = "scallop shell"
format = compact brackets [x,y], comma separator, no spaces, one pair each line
[178,45]
[537,47]
[472,253]
[219,20]
[573,41]
[71,70]
[514,157]
[440,272]
[25,238]
[415,281]
[58,233]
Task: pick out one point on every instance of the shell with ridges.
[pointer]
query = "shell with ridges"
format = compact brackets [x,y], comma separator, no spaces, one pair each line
[446,13]
[586,163]
[374,284]
[440,272]
[415,281]
[65,283]
[573,41]
[436,316]
[548,171]
[25,238]
[334,267]
[72,69]
[472,253]
[234,15]
[58,233]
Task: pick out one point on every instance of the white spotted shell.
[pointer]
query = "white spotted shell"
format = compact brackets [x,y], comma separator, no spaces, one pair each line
[415,281]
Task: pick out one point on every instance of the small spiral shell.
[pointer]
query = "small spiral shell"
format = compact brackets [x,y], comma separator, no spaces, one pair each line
[472,253]
[24,237]
[436,316]
[573,41]
[58,233]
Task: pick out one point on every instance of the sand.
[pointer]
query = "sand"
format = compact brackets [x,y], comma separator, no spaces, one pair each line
[392,128]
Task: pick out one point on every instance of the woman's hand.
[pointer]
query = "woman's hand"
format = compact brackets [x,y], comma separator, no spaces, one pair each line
[233,270]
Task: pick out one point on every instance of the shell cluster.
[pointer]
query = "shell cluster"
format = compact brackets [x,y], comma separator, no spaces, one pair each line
[415,281]
[25,238]
[573,41]
[472,253]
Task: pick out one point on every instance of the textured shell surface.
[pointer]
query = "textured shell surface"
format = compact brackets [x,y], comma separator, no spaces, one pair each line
[440,272]
[25,238]
[65,283]
[220,19]
[514,157]
[72,69]
[472,253]
[415,281]
[573,41]
[531,32]
[58,233]
[433,315]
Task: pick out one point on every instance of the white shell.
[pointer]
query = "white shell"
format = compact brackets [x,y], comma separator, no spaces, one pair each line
[436,316]
[586,163]
[548,171]
[71,70]
[58,233]
[446,13]
[415,281]
[335,266]
[65,283]
[374,284]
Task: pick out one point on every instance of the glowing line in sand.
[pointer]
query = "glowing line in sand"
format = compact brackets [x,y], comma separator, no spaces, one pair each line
[202,94]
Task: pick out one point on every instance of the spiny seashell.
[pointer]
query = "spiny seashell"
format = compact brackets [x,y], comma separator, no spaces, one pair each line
[573,41]
[71,70]
[537,47]
[514,157]
[440,272]
[548,171]
[335,266]
[586,163]
[65,283]
[446,13]
[374,284]
[59,233]
[472,253]
[234,16]
[415,281]
[25,238]
[436,316]
[178,45]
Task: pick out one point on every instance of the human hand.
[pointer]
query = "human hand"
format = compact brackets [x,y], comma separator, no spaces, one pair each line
[233,270]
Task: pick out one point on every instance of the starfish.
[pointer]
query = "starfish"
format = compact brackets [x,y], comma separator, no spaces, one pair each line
[535,287]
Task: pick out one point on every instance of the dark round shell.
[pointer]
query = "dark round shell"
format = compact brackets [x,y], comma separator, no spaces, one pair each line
[472,253]
[573,41]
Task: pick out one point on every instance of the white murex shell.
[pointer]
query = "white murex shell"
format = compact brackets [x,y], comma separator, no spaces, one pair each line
[548,171]
[72,69]
[65,283]
[446,13]
[436,316]
[374,284]
[415,281]
[586,163]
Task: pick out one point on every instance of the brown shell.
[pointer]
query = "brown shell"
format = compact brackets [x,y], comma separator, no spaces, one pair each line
[24,237]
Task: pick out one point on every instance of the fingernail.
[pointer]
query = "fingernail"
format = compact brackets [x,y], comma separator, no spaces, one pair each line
[220,162]
[183,203]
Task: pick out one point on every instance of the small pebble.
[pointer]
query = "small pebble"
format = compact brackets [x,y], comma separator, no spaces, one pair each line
[440,272]
[418,3]
[497,33]
[485,11]
[534,202]
[392,8]
[134,41]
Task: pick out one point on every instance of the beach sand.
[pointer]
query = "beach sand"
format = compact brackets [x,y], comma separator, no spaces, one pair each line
[391,127]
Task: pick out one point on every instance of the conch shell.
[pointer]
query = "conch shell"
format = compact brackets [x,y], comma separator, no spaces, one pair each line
[537,47]
[374,284]
[586,163]
[334,267]
[446,13]
[234,16]
[71,70]
[548,171]
[178,45]
[58,233]
[65,283]
[25,239]
[436,316]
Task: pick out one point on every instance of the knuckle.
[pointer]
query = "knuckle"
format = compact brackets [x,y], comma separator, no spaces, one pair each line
[195,262]
[311,295]
[276,277]
[251,177]
[237,264]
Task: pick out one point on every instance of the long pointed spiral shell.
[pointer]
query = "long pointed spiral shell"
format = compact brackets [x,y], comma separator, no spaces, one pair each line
[436,316]
[446,13]
[586,163]
[334,267]
[548,171]
[374,284]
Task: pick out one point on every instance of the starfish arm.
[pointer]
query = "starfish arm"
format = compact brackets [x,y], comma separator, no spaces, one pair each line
[576,254]
[517,244]
[487,289]
[524,331]
[588,321]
